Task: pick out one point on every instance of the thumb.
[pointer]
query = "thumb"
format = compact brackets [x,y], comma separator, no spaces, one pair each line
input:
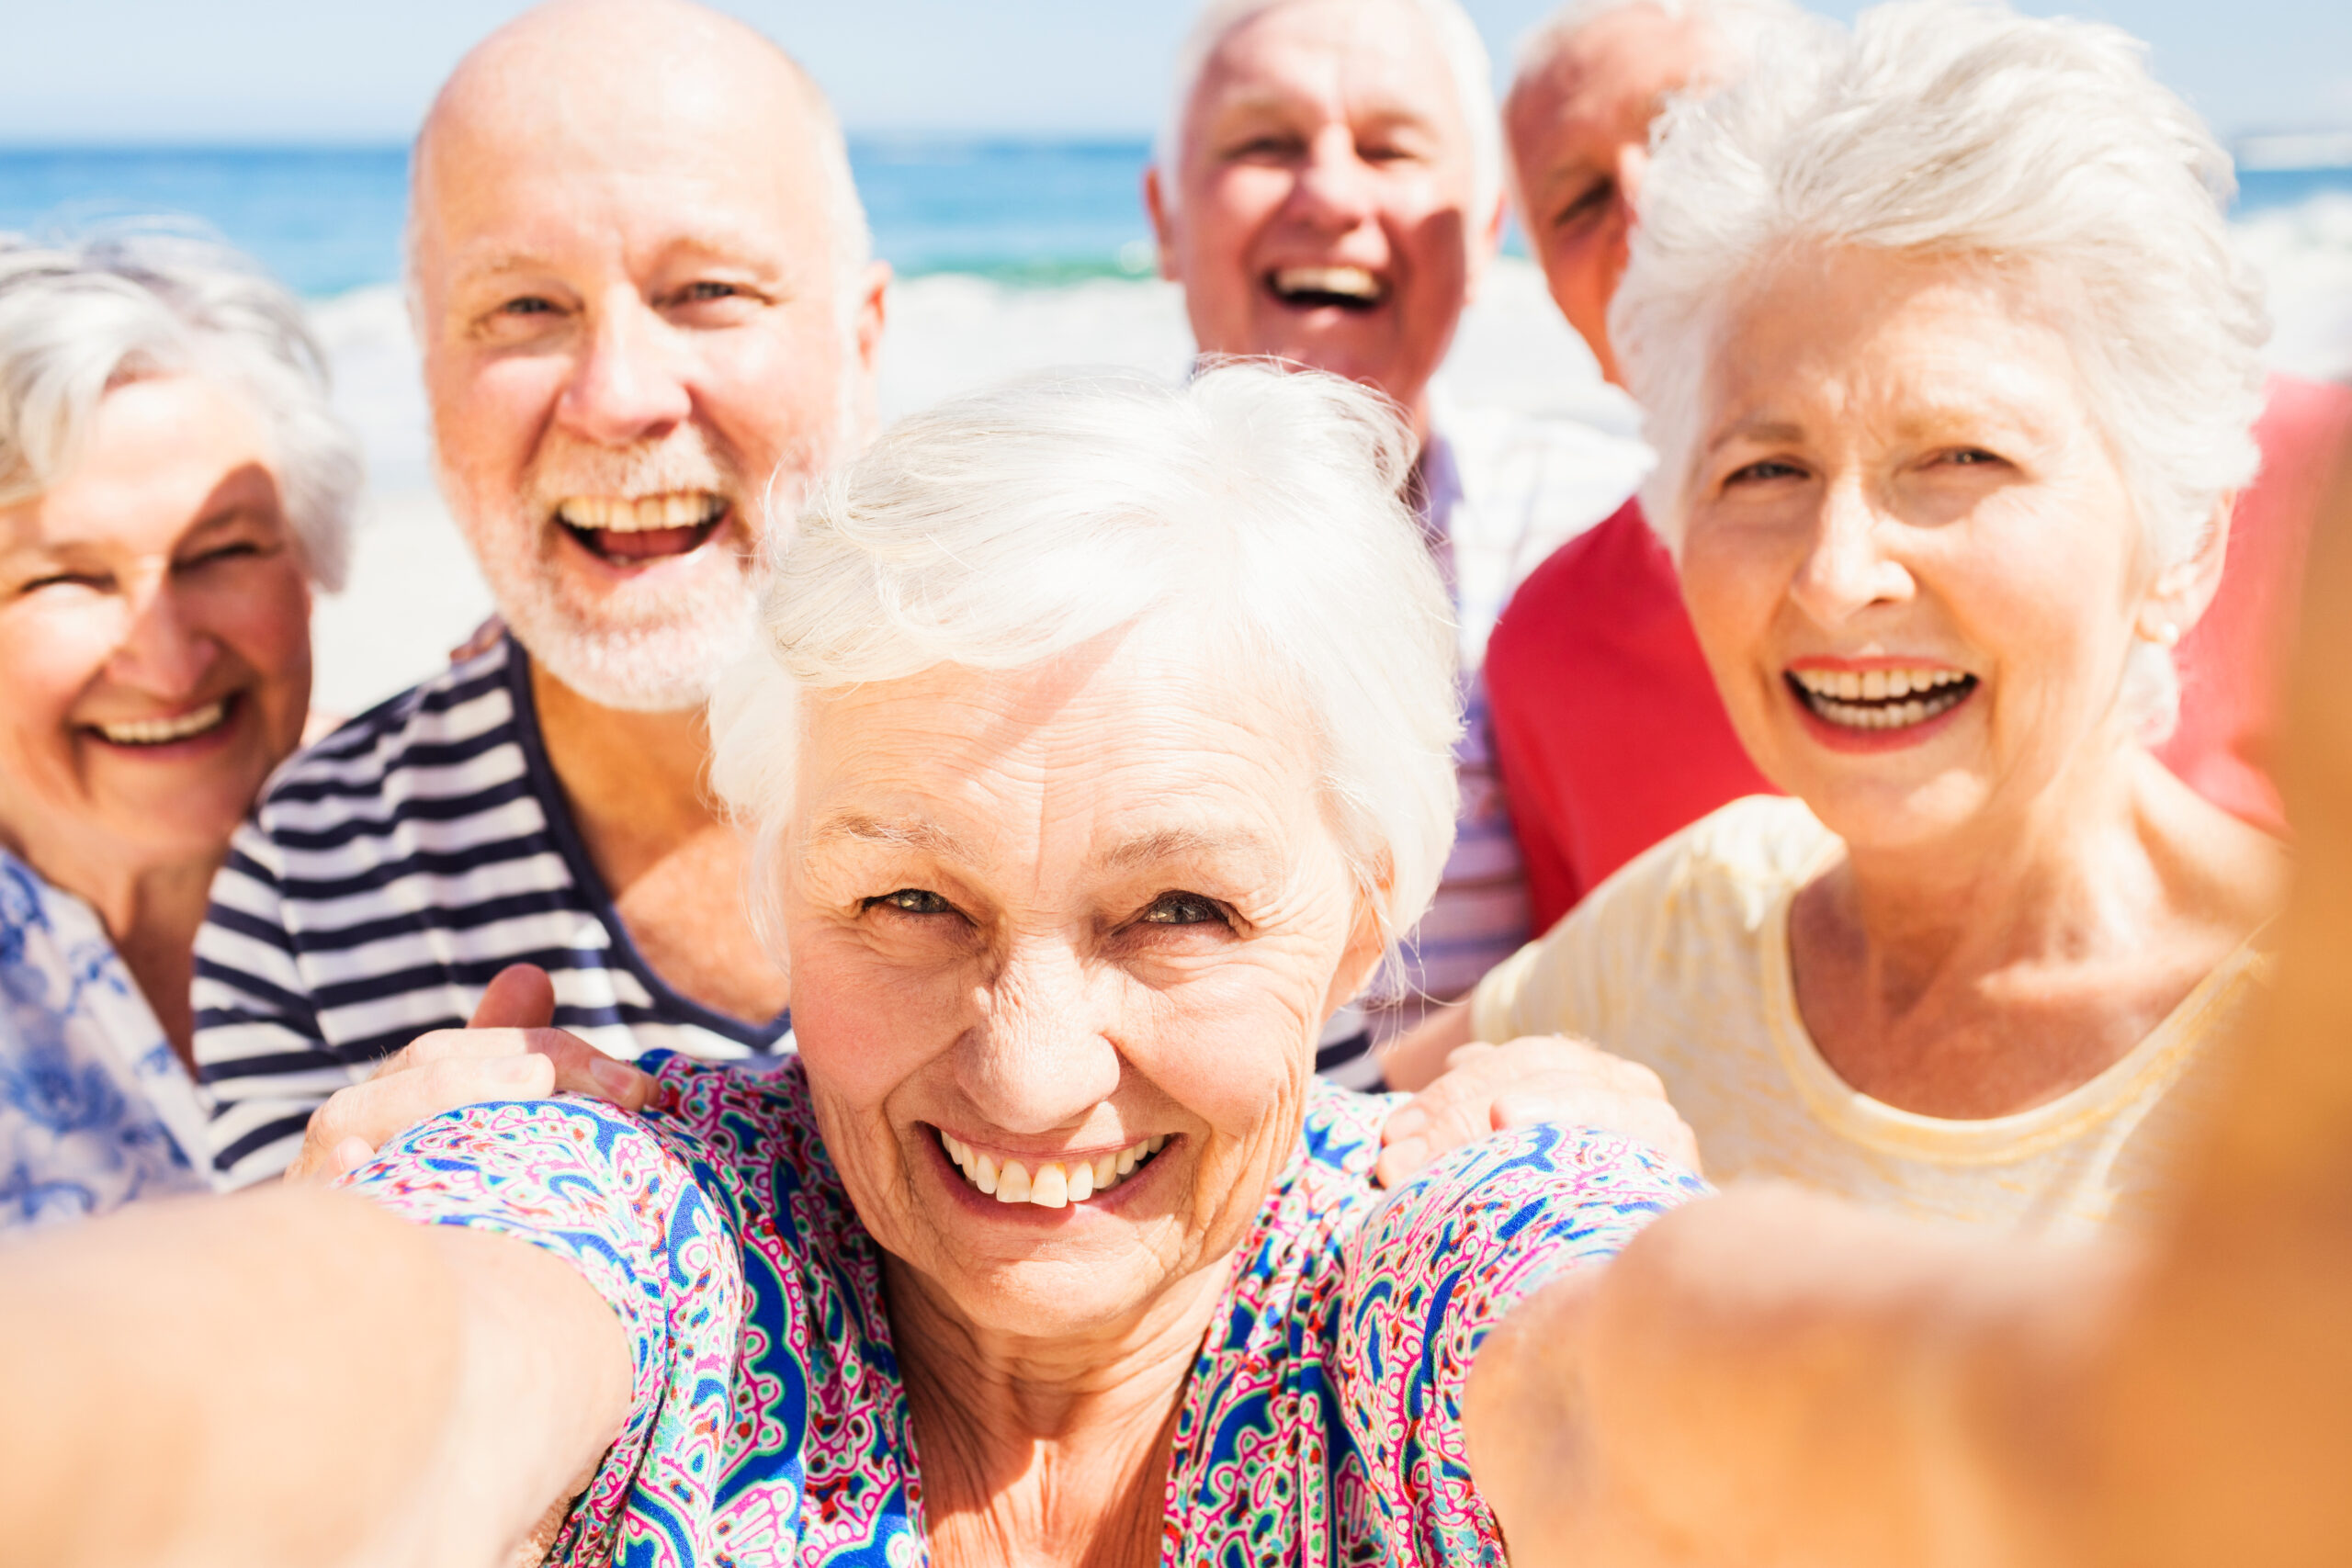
[519,997]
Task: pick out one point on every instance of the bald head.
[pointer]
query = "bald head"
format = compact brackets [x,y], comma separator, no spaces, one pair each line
[640,280]
[626,83]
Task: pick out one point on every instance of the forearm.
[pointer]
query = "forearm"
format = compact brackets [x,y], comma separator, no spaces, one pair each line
[292,1377]
[1768,1379]
[1414,1060]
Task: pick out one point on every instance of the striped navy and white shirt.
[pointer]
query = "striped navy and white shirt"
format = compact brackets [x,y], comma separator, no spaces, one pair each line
[389,872]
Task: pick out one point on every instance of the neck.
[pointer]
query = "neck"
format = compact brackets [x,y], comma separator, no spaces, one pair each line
[636,776]
[1046,1450]
[151,912]
[2041,879]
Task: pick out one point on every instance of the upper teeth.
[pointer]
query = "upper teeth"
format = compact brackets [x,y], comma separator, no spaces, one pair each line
[155,731]
[1354,281]
[1881,699]
[1874,686]
[619,515]
[1054,1184]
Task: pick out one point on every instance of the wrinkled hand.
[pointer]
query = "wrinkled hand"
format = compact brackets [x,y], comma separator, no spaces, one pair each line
[1541,1080]
[507,1052]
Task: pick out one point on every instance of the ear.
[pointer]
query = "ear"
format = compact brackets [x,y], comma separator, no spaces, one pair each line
[1485,247]
[1361,956]
[873,310]
[2182,591]
[1155,202]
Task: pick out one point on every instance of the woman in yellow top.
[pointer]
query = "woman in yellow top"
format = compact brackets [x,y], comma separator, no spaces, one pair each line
[1951,376]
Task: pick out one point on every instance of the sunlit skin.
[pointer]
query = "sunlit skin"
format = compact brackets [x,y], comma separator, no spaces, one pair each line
[1054,912]
[159,577]
[1327,133]
[1579,134]
[625,287]
[1898,469]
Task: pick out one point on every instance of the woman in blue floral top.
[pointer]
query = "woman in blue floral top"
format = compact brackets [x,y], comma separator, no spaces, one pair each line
[1099,749]
[170,485]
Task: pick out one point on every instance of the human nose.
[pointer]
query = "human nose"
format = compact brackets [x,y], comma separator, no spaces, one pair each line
[1040,1059]
[1847,567]
[1335,184]
[626,389]
[163,652]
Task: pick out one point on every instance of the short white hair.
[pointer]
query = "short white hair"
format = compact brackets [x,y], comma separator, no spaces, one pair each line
[1259,509]
[81,316]
[1950,129]
[1466,63]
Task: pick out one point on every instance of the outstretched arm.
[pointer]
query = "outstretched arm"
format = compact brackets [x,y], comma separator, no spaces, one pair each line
[294,1378]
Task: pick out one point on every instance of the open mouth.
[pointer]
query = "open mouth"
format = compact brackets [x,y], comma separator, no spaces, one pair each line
[1320,287]
[1881,699]
[1054,1184]
[628,530]
[150,732]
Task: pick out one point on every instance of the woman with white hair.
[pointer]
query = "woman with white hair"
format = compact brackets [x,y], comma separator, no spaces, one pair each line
[172,485]
[1098,749]
[1951,374]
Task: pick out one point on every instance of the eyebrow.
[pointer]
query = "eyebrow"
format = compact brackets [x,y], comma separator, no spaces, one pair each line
[924,837]
[1175,843]
[1769,433]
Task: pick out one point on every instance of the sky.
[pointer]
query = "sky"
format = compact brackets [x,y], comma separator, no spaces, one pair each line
[145,71]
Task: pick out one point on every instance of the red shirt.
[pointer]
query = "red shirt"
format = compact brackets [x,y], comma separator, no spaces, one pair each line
[1609,736]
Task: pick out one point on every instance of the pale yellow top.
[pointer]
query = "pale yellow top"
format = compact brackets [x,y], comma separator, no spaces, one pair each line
[1680,961]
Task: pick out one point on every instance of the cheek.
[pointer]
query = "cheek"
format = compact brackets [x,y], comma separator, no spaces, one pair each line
[50,659]
[772,396]
[487,411]
[866,1025]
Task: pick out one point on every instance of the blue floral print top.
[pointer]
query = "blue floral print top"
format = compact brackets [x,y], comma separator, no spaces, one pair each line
[1321,1424]
[95,1111]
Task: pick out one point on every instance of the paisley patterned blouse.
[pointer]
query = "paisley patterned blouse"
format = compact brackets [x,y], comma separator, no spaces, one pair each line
[769,1425]
[95,1111]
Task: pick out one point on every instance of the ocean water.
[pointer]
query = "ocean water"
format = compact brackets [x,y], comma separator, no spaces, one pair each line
[1012,255]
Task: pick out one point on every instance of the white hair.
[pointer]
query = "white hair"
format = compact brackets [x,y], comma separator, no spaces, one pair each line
[1463,51]
[82,316]
[1950,129]
[1259,509]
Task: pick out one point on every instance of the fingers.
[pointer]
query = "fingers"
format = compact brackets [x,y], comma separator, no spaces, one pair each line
[1538,1080]
[518,996]
[452,1068]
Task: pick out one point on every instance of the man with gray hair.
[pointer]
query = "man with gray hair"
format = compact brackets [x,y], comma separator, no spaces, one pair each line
[639,276]
[1328,188]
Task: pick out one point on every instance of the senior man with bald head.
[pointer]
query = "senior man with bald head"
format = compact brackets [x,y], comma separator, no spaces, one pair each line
[1328,188]
[639,276]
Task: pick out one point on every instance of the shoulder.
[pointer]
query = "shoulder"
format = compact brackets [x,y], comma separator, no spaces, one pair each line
[1741,858]
[454,717]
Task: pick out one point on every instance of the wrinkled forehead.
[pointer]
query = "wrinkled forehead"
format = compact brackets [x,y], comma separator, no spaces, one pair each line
[1379,58]
[1139,737]
[1616,71]
[520,164]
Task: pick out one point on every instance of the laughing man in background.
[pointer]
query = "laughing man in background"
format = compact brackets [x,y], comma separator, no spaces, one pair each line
[640,273]
[1328,189]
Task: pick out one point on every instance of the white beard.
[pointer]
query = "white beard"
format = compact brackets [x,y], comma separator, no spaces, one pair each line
[635,646]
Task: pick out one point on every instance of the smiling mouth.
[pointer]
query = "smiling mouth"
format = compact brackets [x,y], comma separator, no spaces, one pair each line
[1881,699]
[1320,287]
[1055,1184]
[628,530]
[165,731]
